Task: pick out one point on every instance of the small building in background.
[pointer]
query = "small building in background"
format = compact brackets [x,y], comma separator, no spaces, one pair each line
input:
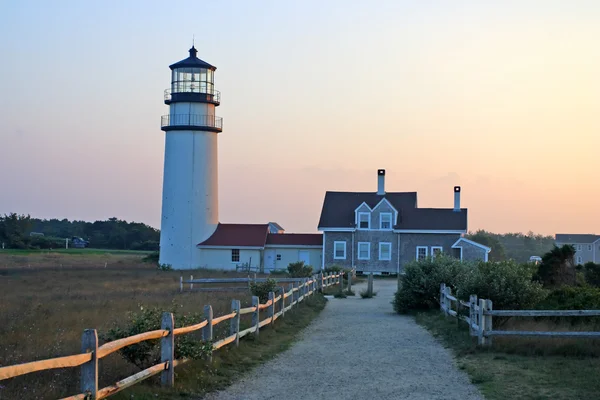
[587,246]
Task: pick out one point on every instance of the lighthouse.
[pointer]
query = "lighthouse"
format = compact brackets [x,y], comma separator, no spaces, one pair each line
[190,211]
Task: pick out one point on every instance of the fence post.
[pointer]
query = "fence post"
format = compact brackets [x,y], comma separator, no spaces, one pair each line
[271,309]
[234,327]
[472,314]
[282,300]
[341,282]
[255,314]
[167,350]
[442,296]
[447,300]
[207,331]
[191,283]
[488,321]
[181,283]
[89,370]
[349,282]
[295,293]
[481,325]
[370,284]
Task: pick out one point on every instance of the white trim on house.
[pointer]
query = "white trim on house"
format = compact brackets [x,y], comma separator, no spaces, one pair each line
[390,247]
[426,231]
[391,221]
[292,246]
[335,243]
[368,214]
[395,213]
[461,252]
[579,259]
[368,250]
[352,249]
[336,229]
[417,252]
[361,204]
[455,245]
[231,247]
[440,248]
[398,254]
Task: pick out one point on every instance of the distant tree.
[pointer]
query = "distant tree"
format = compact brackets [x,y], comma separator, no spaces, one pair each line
[14,230]
[490,240]
[591,272]
[558,267]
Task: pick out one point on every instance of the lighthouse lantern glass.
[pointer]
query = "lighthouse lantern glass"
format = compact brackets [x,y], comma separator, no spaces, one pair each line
[192,80]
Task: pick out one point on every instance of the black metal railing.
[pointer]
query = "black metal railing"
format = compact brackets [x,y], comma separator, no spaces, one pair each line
[192,120]
[214,95]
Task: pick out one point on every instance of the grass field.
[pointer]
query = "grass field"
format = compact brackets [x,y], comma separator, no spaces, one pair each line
[46,307]
[523,368]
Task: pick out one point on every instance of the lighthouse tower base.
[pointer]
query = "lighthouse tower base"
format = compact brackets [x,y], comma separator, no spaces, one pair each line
[190,196]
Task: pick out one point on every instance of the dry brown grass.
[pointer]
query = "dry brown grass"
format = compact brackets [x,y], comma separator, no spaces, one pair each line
[45,308]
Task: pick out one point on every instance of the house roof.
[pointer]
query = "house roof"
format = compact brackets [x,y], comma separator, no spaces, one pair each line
[456,244]
[277,226]
[576,238]
[295,239]
[238,235]
[338,207]
[338,211]
[192,62]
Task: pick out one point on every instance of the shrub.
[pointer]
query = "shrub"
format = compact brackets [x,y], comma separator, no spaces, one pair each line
[333,268]
[340,295]
[366,295]
[147,353]
[572,298]
[507,283]
[278,272]
[420,285]
[165,267]
[591,272]
[349,292]
[262,289]
[152,257]
[299,270]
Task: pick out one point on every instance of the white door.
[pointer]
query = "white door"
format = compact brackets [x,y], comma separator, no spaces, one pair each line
[304,255]
[270,259]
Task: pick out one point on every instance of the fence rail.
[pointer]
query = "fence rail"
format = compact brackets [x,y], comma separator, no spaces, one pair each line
[91,352]
[481,313]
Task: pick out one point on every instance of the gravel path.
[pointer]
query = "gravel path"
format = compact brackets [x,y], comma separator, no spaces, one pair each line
[358,349]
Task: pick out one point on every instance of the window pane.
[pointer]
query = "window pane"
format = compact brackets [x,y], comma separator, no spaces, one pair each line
[422,253]
[385,251]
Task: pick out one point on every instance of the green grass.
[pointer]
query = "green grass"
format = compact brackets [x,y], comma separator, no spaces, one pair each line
[501,375]
[197,378]
[73,251]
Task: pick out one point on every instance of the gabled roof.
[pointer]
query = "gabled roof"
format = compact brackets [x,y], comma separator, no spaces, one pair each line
[277,226]
[338,207]
[295,239]
[338,211]
[457,244]
[432,219]
[238,235]
[576,238]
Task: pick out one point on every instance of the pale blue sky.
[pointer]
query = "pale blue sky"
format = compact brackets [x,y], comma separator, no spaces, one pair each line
[499,97]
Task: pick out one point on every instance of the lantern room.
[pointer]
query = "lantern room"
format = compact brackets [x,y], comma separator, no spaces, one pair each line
[192,80]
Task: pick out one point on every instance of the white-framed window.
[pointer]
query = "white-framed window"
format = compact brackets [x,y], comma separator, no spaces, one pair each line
[589,247]
[364,250]
[385,251]
[235,255]
[578,247]
[436,251]
[579,260]
[364,220]
[339,250]
[278,257]
[421,252]
[385,221]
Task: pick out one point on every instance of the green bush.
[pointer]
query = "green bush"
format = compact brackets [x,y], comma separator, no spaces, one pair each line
[572,298]
[147,353]
[299,270]
[591,273]
[333,268]
[366,295]
[507,283]
[152,257]
[262,289]
[420,285]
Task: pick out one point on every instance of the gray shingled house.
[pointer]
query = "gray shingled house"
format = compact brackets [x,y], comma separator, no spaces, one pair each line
[587,246]
[381,231]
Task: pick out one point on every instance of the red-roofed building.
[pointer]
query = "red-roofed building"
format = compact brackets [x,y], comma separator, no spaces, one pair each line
[259,247]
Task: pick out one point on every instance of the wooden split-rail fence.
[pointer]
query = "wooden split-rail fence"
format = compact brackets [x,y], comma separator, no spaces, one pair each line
[87,360]
[481,313]
[204,284]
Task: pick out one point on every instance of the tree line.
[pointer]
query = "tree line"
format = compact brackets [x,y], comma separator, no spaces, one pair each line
[515,246]
[16,233]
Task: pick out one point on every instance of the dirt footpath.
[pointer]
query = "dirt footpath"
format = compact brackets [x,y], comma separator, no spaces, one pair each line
[358,349]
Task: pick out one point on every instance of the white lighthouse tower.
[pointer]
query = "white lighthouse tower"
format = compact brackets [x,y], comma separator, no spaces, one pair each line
[190,190]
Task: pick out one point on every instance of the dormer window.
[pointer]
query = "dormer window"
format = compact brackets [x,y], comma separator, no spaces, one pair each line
[364,220]
[385,221]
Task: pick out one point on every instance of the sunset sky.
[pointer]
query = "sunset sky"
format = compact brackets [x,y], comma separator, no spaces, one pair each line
[502,98]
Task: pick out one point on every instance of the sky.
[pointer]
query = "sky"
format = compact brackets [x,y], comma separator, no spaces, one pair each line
[502,98]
